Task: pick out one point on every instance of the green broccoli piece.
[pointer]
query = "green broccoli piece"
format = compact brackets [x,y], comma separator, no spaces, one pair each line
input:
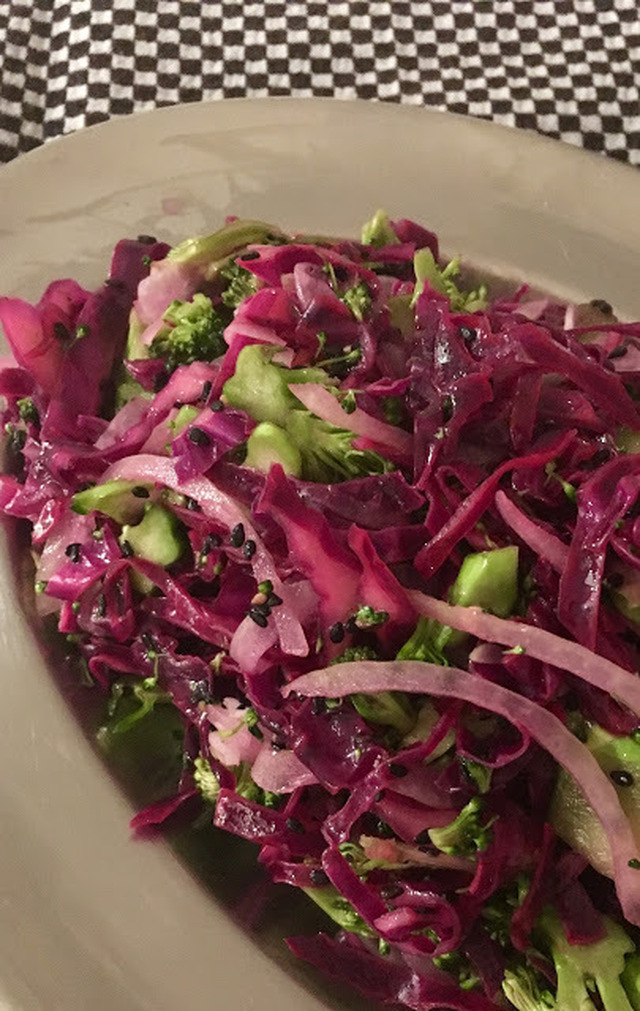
[522,990]
[391,709]
[240,284]
[193,333]
[367,617]
[584,970]
[269,444]
[467,834]
[354,654]
[631,980]
[326,452]
[28,410]
[358,299]
[208,252]
[206,780]
[488,579]
[340,910]
[378,231]
[442,279]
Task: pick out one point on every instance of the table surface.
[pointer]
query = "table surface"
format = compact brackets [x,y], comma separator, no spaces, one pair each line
[566,69]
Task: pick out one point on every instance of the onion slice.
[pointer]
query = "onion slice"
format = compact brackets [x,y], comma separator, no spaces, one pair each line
[543,543]
[538,643]
[545,728]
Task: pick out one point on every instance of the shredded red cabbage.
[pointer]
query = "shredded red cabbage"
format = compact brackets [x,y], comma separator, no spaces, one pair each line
[372,538]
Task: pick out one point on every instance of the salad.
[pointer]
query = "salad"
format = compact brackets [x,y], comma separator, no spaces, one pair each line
[370,536]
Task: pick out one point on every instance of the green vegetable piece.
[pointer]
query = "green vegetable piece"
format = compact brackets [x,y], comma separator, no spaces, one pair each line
[585,968]
[269,444]
[192,333]
[358,299]
[206,251]
[631,980]
[478,773]
[423,643]
[354,654]
[135,348]
[240,284]
[488,580]
[442,279]
[378,231]
[206,780]
[159,537]
[522,990]
[28,410]
[391,709]
[262,390]
[573,817]
[186,414]
[116,499]
[340,911]
[467,834]
[401,313]
[628,440]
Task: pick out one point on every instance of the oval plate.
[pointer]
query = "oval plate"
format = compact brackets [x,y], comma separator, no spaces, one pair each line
[89,918]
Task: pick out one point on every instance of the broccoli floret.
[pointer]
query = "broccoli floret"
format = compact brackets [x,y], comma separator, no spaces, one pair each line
[340,910]
[391,709]
[467,834]
[207,251]
[206,780]
[326,452]
[378,231]
[488,579]
[522,990]
[240,284]
[193,333]
[28,410]
[442,279]
[367,617]
[586,969]
[358,299]
[353,654]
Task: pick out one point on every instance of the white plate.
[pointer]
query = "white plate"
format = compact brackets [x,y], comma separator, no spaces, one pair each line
[89,919]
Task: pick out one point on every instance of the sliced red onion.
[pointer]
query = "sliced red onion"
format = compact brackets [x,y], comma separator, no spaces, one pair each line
[541,725]
[216,505]
[537,642]
[543,543]
[280,771]
[391,440]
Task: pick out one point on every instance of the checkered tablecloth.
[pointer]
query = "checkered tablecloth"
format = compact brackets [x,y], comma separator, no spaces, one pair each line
[567,68]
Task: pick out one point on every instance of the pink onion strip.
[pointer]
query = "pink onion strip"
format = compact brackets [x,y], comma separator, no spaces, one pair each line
[322,402]
[223,509]
[544,544]
[538,643]
[540,724]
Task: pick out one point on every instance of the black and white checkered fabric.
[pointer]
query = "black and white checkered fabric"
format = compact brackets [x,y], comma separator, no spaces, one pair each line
[567,68]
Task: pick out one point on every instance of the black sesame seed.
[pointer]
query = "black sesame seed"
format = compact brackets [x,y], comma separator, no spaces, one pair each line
[318,878]
[618,352]
[277,744]
[398,770]
[422,838]
[210,542]
[350,626]
[273,600]
[160,381]
[379,796]
[101,606]
[262,608]
[73,551]
[237,536]
[317,706]
[249,549]
[336,632]
[294,825]
[127,550]
[260,619]
[198,436]
[468,334]
[148,642]
[147,240]
[251,254]
[216,405]
[140,492]
[191,504]
[621,777]
[391,891]
[206,390]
